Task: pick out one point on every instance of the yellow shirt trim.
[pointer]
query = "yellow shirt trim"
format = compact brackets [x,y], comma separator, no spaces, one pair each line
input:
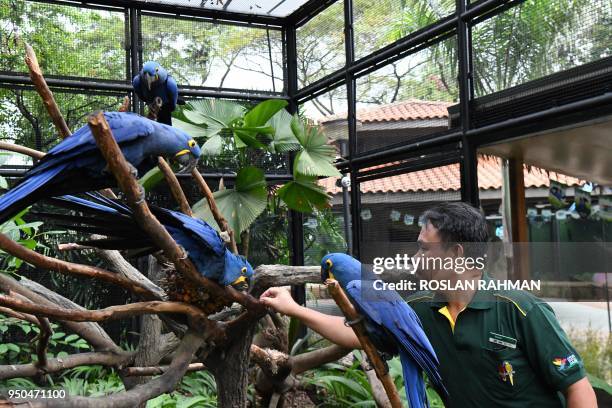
[513,302]
[446,313]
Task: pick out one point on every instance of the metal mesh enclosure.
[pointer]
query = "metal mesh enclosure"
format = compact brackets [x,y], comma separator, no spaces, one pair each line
[69,41]
[378,23]
[203,53]
[535,39]
[329,110]
[24,119]
[408,98]
[391,207]
[320,45]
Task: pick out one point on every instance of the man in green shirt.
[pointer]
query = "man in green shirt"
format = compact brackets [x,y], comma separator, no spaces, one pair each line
[497,348]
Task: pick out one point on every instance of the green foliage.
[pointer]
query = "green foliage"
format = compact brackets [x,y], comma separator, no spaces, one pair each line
[323,233]
[595,349]
[197,389]
[267,129]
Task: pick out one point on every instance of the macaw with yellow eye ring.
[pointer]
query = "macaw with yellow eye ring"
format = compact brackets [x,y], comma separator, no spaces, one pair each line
[391,324]
[76,165]
[113,219]
[153,82]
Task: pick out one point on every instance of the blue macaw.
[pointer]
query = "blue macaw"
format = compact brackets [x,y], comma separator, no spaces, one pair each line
[112,218]
[152,82]
[76,165]
[391,324]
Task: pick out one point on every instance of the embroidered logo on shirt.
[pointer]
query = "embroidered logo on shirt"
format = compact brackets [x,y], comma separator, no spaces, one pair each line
[506,373]
[565,363]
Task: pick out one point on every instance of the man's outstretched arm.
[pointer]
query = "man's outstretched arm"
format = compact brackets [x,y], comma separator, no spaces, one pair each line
[330,327]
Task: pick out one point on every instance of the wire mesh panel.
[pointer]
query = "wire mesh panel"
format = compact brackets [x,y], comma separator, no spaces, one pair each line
[203,53]
[329,110]
[24,119]
[379,23]
[391,207]
[320,45]
[69,41]
[408,98]
[538,38]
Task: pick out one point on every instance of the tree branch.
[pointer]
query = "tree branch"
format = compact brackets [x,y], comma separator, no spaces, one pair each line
[68,268]
[35,154]
[109,313]
[221,221]
[358,326]
[175,186]
[91,332]
[105,358]
[45,93]
[43,341]
[157,370]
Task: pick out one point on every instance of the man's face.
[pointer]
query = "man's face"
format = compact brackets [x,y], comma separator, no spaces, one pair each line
[433,249]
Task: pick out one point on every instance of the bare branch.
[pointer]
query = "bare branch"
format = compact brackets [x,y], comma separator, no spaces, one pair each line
[35,154]
[165,383]
[125,106]
[105,358]
[43,341]
[267,276]
[45,93]
[157,370]
[68,268]
[91,332]
[109,313]
[316,358]
[221,221]
[175,186]
[358,326]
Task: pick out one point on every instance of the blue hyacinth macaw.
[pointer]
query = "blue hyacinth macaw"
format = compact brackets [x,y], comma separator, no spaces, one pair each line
[112,218]
[391,324]
[152,82]
[76,165]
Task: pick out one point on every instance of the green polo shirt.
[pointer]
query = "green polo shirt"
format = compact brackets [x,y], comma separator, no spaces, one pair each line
[505,349]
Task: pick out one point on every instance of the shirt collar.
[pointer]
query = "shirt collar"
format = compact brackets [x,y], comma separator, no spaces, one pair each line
[481,301]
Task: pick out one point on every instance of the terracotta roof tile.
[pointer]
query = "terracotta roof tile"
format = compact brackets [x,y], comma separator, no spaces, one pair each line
[411,109]
[447,178]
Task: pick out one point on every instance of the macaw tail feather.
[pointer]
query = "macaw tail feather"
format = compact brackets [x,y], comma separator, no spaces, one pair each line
[413,382]
[26,193]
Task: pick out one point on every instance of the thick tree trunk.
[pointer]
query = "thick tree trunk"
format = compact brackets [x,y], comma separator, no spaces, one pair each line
[231,370]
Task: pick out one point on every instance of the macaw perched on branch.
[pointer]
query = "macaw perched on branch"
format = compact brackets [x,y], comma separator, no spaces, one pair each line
[76,165]
[155,87]
[114,219]
[391,324]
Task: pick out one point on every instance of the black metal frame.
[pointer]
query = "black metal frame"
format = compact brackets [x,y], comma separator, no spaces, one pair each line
[457,25]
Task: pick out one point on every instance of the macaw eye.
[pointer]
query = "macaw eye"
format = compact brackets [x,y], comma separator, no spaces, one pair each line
[191,143]
[329,263]
[156,69]
[243,270]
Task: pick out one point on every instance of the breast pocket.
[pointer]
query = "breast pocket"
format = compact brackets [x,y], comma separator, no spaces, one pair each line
[507,370]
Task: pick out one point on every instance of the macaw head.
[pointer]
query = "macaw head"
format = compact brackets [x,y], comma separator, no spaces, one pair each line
[186,151]
[238,271]
[341,267]
[152,73]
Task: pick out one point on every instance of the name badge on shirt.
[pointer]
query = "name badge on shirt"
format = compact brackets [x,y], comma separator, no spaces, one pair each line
[502,340]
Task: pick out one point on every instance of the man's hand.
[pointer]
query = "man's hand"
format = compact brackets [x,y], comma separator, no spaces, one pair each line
[330,327]
[280,300]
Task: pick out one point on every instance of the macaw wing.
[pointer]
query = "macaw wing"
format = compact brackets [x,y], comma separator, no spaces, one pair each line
[199,230]
[126,127]
[172,90]
[388,309]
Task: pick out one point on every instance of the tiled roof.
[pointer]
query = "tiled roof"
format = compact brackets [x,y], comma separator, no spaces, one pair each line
[411,109]
[447,178]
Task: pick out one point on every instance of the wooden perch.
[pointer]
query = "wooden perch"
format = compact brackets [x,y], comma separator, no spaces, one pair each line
[43,341]
[358,327]
[212,204]
[157,370]
[175,186]
[125,106]
[68,268]
[105,358]
[109,313]
[35,154]
[45,93]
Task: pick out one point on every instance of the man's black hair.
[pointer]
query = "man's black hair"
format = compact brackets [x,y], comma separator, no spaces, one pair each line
[461,223]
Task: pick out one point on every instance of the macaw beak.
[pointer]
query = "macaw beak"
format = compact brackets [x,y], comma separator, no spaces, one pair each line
[241,283]
[187,161]
[326,274]
[148,80]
